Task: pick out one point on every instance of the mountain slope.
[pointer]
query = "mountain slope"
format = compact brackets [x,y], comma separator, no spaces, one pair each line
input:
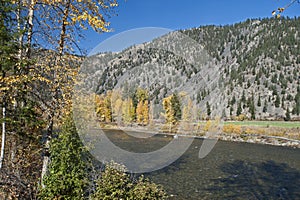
[250,69]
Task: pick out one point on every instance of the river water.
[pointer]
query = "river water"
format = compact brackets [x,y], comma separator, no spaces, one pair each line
[230,171]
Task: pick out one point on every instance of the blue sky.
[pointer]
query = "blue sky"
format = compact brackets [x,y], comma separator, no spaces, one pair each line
[175,14]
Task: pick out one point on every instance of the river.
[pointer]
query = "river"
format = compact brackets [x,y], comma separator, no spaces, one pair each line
[231,170]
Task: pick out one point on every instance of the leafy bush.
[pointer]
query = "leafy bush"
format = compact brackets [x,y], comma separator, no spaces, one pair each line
[231,128]
[115,183]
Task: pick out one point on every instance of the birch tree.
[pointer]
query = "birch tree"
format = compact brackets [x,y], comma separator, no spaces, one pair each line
[19,120]
[64,19]
[44,86]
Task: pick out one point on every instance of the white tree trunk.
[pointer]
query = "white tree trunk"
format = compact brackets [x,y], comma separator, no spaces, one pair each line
[3,137]
[46,158]
[30,27]
[45,165]
[21,36]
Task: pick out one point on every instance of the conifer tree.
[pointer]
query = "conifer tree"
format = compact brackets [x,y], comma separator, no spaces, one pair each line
[259,101]
[175,102]
[296,109]
[233,100]
[252,107]
[67,175]
[208,109]
[277,101]
[243,99]
[231,111]
[282,101]
[287,115]
[239,109]
[265,106]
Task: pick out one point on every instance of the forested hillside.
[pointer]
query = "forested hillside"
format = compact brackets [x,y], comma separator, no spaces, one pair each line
[261,65]
[249,70]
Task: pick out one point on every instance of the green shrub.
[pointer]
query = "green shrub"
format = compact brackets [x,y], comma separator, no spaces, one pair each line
[115,183]
[67,176]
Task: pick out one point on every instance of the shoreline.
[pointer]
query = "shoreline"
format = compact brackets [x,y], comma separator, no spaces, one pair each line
[245,138]
[262,139]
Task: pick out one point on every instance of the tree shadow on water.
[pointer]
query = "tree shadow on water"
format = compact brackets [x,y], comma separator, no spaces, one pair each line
[266,180]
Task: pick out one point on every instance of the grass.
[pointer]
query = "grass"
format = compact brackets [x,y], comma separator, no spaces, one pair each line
[281,124]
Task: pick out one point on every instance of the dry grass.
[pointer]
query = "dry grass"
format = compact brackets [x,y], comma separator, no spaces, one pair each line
[291,133]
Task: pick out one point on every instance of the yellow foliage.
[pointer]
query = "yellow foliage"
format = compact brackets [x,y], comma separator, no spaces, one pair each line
[103,107]
[142,112]
[207,125]
[241,117]
[128,111]
[281,9]
[255,130]
[169,110]
[212,126]
[89,11]
[231,128]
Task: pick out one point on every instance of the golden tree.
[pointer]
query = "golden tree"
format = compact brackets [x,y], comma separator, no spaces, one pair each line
[142,109]
[172,107]
[142,113]
[128,111]
[103,107]
[169,110]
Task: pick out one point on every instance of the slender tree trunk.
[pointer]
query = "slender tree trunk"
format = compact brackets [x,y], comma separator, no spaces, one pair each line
[46,158]
[19,28]
[3,136]
[21,31]
[49,132]
[30,28]
[64,28]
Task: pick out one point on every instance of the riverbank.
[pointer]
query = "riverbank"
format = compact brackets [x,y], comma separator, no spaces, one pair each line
[276,136]
[261,139]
